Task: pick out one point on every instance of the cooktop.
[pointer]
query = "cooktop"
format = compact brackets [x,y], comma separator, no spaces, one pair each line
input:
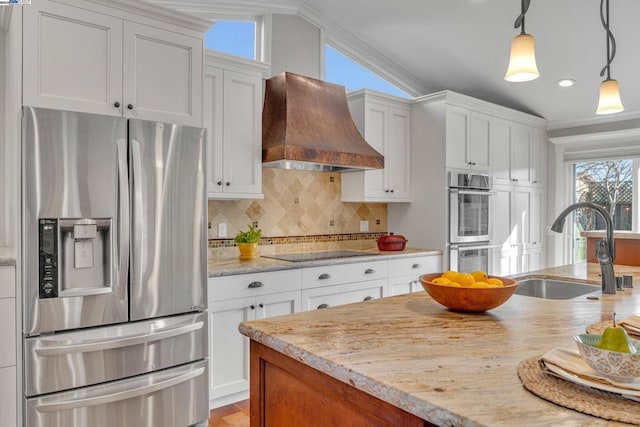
[315,256]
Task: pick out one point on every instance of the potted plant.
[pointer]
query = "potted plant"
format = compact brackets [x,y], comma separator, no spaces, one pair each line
[248,242]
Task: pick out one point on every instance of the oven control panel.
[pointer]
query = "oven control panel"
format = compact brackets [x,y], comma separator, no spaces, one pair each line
[48,286]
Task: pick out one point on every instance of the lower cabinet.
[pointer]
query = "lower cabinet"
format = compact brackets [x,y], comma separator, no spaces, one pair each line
[404,273]
[8,396]
[331,296]
[516,260]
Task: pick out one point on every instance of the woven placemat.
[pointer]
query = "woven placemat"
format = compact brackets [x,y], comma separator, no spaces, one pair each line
[598,328]
[601,404]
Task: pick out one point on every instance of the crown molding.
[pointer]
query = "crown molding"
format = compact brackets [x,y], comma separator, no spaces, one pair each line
[621,136]
[375,95]
[236,63]
[596,120]
[5,17]
[231,8]
[363,53]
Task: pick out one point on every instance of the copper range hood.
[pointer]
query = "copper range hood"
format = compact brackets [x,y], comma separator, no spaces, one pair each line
[306,125]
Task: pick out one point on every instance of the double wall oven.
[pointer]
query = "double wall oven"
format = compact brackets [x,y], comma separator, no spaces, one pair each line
[470,207]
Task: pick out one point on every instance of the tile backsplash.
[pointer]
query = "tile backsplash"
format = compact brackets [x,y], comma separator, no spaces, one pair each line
[297,203]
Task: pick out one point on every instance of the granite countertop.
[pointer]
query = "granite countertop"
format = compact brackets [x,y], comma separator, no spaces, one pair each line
[233,265]
[445,367]
[617,234]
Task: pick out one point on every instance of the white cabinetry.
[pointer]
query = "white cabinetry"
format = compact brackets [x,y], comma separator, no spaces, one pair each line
[467,139]
[404,273]
[233,117]
[385,123]
[86,56]
[518,155]
[9,398]
[235,299]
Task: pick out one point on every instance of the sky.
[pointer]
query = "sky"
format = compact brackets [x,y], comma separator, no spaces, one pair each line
[237,38]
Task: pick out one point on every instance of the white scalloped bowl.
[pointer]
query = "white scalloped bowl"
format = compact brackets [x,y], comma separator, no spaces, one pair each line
[623,367]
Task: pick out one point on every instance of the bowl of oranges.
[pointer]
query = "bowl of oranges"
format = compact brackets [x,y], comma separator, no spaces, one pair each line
[473,292]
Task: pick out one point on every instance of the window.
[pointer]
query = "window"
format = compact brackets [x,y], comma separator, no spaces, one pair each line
[343,71]
[233,37]
[607,183]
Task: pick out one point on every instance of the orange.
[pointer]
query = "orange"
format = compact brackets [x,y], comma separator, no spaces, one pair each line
[453,285]
[451,275]
[465,279]
[441,280]
[494,281]
[481,285]
[480,276]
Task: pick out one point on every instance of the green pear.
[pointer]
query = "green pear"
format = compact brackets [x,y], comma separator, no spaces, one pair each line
[615,338]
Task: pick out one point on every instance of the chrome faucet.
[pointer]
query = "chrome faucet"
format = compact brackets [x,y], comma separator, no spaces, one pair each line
[605,250]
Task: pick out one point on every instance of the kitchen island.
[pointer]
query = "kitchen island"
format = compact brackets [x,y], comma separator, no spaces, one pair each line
[406,360]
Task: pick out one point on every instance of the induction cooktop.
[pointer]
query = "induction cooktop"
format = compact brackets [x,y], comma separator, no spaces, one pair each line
[315,256]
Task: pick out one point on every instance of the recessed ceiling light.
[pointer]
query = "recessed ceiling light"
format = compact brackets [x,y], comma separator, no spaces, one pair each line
[566,82]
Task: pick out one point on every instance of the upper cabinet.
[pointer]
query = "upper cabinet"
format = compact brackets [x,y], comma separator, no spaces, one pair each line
[518,154]
[468,135]
[232,111]
[385,123]
[89,57]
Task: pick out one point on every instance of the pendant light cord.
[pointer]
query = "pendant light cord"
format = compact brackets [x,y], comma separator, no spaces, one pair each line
[524,6]
[611,41]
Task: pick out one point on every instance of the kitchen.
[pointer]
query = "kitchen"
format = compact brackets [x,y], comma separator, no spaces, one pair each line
[338,224]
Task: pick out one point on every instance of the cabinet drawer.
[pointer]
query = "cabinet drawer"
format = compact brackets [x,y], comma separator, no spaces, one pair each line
[345,273]
[332,296]
[254,284]
[414,265]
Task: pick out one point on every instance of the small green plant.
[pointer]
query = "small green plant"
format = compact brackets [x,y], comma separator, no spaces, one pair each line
[251,236]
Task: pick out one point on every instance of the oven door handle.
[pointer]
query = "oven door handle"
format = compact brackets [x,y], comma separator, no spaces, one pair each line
[472,192]
[486,245]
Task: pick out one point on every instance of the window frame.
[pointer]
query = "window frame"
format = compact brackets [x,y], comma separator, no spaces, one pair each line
[262,41]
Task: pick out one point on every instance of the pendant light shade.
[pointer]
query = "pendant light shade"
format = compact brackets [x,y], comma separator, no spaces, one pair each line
[610,101]
[522,62]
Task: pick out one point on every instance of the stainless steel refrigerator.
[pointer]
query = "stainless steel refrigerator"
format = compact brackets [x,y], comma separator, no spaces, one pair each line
[114,269]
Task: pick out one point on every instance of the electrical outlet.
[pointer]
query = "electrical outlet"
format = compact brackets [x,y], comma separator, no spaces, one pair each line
[364,226]
[222,230]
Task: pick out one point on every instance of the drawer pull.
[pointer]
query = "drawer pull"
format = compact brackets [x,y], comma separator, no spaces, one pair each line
[367,298]
[254,285]
[323,306]
[369,271]
[261,305]
[252,307]
[324,276]
[416,265]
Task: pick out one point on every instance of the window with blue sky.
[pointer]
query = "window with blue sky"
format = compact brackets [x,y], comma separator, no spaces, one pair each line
[343,71]
[233,37]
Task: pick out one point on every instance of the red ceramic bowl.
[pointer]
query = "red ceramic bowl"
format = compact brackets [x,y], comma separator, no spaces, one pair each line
[471,300]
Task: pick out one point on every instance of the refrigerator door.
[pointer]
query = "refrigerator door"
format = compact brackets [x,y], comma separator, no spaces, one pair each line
[90,356]
[169,398]
[168,219]
[75,217]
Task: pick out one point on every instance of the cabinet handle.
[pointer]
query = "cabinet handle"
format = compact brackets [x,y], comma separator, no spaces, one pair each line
[367,298]
[256,284]
[261,305]
[416,266]
[228,183]
[386,191]
[116,104]
[324,276]
[219,182]
[369,271]
[469,163]
[391,191]
[323,306]
[252,307]
[473,163]
[130,106]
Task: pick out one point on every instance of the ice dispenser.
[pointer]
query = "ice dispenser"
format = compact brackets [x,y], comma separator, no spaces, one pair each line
[75,257]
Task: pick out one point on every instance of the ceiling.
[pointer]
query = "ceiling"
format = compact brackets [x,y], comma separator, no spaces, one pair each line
[463,45]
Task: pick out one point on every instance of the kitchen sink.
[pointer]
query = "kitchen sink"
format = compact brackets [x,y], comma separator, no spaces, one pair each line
[554,289]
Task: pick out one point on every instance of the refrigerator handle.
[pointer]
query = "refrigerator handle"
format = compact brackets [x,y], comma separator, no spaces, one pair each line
[118,396]
[123,219]
[136,235]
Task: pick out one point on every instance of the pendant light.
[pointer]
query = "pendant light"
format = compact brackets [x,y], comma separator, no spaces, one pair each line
[609,102]
[522,62]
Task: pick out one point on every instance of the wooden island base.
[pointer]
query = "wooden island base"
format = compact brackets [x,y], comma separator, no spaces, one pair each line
[285,392]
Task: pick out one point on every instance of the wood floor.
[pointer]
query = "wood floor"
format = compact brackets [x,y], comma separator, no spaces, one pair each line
[234,415]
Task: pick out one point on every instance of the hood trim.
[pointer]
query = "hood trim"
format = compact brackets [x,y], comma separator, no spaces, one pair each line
[306,125]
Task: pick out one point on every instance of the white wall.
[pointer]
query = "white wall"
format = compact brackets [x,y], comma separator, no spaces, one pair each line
[295,46]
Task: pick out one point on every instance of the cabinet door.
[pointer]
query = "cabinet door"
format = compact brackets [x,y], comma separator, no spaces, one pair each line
[212,120]
[505,262]
[538,157]
[242,133]
[8,331]
[521,215]
[398,155]
[332,296]
[457,137]
[8,396]
[72,59]
[277,304]
[479,141]
[376,134]
[402,285]
[501,217]
[228,349]
[535,217]
[521,154]
[162,75]
[501,151]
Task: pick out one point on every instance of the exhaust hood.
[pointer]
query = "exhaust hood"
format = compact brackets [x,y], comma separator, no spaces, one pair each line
[306,125]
